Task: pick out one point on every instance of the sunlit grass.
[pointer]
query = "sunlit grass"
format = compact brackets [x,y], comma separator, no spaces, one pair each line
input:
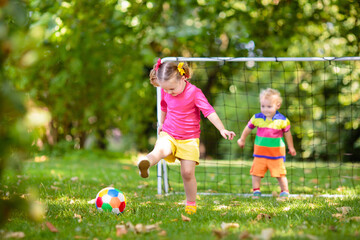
[64,186]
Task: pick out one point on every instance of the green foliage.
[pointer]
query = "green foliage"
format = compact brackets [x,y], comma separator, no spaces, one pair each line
[87,62]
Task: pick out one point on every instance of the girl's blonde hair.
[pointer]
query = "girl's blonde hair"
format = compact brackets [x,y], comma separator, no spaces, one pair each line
[272,94]
[167,71]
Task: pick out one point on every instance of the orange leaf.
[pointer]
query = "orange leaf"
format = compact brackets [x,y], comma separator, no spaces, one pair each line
[185,219]
[51,227]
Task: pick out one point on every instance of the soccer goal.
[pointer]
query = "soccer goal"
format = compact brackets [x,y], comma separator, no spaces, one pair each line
[321,97]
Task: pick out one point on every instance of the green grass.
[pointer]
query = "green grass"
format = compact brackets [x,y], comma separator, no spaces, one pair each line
[65,185]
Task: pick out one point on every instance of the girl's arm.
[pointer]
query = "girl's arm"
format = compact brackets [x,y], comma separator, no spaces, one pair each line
[289,141]
[162,119]
[245,133]
[215,120]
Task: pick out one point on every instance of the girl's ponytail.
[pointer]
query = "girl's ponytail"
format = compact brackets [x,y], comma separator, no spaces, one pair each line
[153,78]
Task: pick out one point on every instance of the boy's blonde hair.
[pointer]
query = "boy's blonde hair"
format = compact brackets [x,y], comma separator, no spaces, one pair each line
[167,71]
[272,94]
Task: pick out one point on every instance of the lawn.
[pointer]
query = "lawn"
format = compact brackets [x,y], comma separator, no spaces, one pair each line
[66,186]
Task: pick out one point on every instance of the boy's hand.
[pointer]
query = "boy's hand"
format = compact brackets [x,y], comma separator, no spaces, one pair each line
[225,133]
[241,143]
[292,151]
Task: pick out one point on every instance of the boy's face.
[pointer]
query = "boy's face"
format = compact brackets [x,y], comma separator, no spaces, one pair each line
[269,107]
[173,86]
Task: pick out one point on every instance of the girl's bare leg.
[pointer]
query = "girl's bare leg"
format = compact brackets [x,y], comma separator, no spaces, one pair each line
[161,150]
[188,176]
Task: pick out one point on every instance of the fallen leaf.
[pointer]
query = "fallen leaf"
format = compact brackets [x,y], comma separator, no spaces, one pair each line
[344,210]
[78,216]
[219,233]
[185,219]
[149,228]
[337,215]
[55,188]
[80,237]
[139,228]
[162,233]
[74,179]
[130,226]
[223,214]
[174,220]
[121,230]
[244,235]
[14,235]
[266,234]
[263,216]
[355,218]
[274,194]
[226,226]
[51,227]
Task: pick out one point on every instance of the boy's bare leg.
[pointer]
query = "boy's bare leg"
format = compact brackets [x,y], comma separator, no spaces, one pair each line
[283,182]
[256,180]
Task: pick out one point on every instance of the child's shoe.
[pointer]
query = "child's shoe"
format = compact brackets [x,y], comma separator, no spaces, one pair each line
[144,165]
[284,195]
[256,194]
[190,209]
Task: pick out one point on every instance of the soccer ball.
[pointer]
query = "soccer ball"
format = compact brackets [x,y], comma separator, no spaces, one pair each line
[110,200]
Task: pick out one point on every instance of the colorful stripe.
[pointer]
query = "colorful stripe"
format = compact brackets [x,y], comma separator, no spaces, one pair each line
[262,156]
[269,151]
[269,142]
[270,132]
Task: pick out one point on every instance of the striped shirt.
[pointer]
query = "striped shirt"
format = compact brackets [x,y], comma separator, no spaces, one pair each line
[269,141]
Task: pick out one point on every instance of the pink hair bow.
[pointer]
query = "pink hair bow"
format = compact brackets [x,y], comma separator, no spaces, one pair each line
[158,64]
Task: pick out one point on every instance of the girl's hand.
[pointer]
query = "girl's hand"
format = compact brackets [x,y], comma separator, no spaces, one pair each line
[225,133]
[241,143]
[292,151]
[159,128]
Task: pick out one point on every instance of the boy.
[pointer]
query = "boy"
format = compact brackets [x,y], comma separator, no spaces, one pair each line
[269,148]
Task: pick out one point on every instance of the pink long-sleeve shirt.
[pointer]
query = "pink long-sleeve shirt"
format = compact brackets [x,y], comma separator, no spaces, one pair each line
[182,120]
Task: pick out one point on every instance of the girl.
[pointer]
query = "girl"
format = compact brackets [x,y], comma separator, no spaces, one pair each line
[179,129]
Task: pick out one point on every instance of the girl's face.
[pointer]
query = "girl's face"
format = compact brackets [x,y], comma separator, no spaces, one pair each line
[269,107]
[173,86]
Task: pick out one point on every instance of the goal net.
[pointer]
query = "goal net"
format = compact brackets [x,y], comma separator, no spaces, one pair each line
[321,98]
